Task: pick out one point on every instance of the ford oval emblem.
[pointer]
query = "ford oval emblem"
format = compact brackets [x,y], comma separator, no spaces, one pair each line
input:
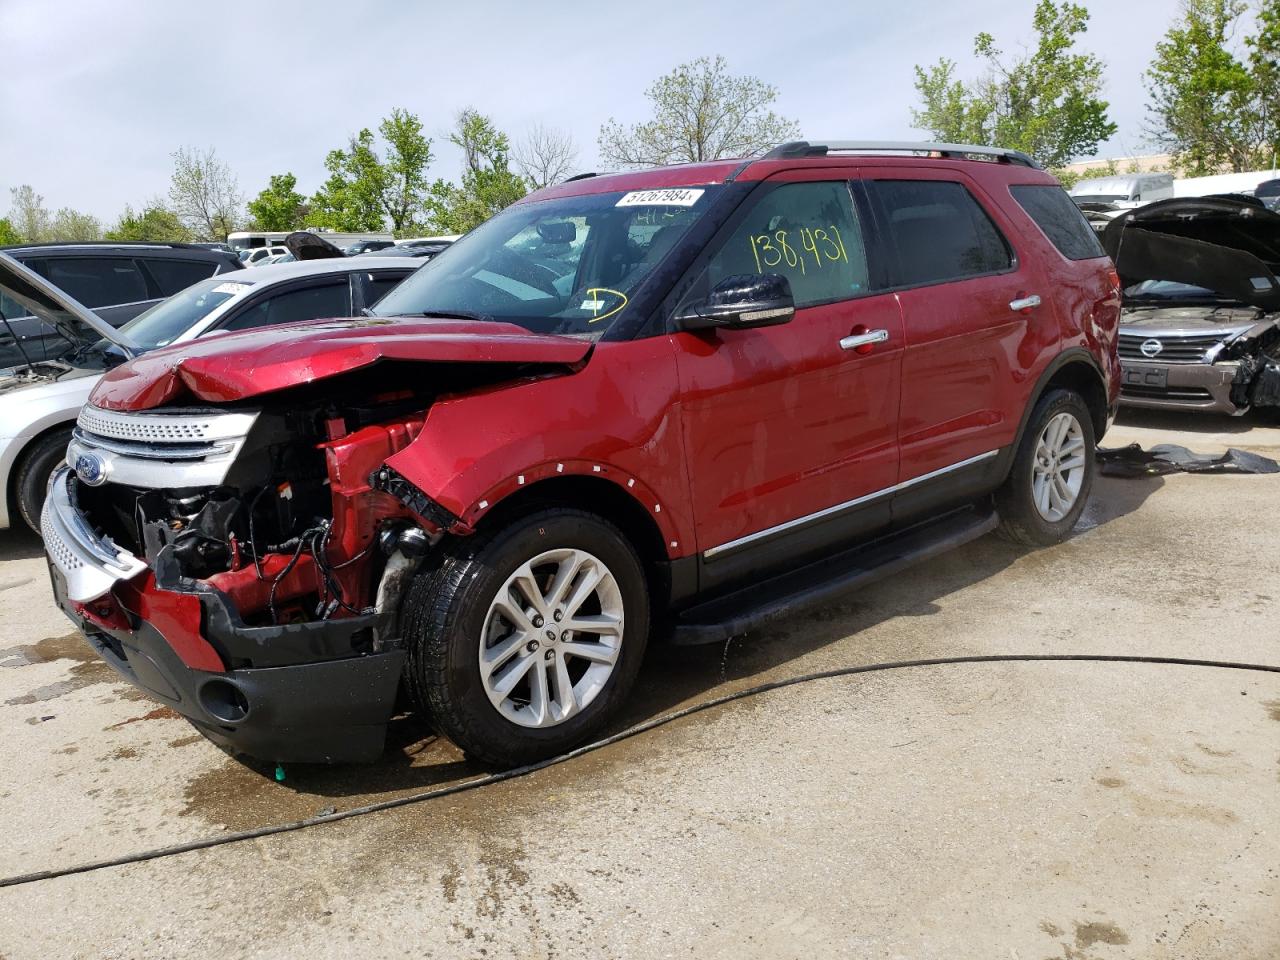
[1151,348]
[90,469]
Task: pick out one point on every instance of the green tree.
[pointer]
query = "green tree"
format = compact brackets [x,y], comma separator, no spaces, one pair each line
[279,206]
[364,190]
[205,194]
[153,223]
[700,112]
[29,215]
[404,182]
[488,183]
[350,200]
[71,224]
[1207,105]
[1045,102]
[8,233]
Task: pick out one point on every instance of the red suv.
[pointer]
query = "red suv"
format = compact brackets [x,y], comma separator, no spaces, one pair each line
[670,403]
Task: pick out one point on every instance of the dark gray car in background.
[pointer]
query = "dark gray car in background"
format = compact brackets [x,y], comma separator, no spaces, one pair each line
[117,281]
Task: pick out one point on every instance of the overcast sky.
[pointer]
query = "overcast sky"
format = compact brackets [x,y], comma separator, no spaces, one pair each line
[98,95]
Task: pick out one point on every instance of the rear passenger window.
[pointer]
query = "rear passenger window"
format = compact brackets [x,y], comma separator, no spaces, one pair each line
[809,233]
[98,281]
[174,275]
[940,232]
[1059,218]
[310,303]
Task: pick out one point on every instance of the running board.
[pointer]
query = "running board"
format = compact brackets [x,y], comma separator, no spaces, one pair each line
[716,620]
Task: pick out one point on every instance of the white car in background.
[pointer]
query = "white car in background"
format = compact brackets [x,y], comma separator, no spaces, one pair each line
[260,255]
[39,401]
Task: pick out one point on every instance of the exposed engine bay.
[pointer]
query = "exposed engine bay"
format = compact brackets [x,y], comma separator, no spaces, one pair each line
[1200,325]
[303,523]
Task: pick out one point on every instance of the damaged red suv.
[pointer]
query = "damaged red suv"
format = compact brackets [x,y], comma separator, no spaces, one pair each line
[664,404]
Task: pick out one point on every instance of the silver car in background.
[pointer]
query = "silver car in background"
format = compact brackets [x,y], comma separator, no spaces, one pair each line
[39,401]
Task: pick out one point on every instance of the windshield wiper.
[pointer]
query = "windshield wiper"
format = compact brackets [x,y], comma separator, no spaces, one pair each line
[452,315]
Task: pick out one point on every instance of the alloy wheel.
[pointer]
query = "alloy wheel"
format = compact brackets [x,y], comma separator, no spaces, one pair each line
[551,638]
[1058,471]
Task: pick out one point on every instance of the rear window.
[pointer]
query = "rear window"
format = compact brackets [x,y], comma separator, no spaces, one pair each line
[1060,219]
[940,232]
[174,275]
[97,281]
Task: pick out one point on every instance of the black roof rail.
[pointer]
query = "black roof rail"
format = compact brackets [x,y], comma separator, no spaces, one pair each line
[803,148]
[107,243]
[579,176]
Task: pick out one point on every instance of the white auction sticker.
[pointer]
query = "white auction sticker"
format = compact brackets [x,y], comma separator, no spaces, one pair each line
[231,287]
[681,197]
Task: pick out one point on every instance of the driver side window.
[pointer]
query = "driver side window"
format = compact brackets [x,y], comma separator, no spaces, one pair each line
[808,233]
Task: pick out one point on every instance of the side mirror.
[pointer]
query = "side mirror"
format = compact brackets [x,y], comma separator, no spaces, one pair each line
[741,302]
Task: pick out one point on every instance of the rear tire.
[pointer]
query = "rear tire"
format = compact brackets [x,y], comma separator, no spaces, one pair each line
[499,673]
[1052,473]
[32,481]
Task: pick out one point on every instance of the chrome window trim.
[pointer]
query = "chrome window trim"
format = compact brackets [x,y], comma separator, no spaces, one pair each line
[841,507]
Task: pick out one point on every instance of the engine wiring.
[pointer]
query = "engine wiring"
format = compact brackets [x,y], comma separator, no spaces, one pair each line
[144,856]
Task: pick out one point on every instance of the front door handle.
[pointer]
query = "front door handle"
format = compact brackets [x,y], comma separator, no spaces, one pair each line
[864,339]
[1024,303]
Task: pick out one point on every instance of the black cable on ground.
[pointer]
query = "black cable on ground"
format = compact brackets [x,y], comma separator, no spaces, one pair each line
[177,848]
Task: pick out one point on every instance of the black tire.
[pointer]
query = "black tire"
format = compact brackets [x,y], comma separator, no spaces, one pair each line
[444,616]
[1020,520]
[32,478]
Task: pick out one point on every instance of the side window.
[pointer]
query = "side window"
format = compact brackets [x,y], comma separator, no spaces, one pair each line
[174,275]
[940,232]
[98,281]
[1059,219]
[294,306]
[809,233]
[378,285]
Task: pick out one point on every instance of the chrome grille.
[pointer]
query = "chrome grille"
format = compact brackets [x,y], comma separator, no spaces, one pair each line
[1189,349]
[146,427]
[160,449]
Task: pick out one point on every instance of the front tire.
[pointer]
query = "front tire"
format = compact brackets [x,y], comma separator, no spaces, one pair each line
[524,641]
[37,466]
[1052,473]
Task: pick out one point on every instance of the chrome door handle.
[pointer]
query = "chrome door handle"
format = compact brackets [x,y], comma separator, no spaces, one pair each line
[1024,303]
[864,339]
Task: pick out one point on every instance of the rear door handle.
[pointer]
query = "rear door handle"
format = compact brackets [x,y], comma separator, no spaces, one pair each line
[864,339]
[1024,303]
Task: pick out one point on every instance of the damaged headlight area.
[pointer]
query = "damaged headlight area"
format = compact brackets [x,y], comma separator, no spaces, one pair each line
[291,532]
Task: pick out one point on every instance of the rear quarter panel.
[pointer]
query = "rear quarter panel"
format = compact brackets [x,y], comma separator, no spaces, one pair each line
[1082,294]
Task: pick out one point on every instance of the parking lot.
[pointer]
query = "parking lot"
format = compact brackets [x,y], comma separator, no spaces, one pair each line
[1025,810]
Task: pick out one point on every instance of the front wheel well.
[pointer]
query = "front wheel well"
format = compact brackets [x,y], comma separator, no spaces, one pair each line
[595,495]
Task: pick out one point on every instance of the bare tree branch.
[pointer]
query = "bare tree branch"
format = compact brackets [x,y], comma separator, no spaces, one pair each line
[545,156]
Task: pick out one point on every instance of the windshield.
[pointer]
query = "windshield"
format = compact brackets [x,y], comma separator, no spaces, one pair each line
[567,266]
[167,320]
[1168,290]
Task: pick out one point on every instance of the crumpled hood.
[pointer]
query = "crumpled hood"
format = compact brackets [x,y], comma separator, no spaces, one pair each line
[1224,244]
[236,366]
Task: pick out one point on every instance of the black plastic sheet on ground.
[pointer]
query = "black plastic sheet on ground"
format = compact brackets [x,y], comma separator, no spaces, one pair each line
[1134,461]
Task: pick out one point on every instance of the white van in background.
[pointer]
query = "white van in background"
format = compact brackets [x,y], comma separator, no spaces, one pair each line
[1124,191]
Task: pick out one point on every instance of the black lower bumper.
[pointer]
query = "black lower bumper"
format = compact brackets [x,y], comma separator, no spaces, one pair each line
[331,711]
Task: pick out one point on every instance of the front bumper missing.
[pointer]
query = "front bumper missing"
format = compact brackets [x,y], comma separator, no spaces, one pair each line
[301,693]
